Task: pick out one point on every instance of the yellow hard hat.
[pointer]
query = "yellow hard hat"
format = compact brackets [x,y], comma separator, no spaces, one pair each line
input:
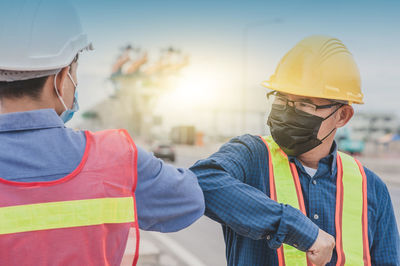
[318,66]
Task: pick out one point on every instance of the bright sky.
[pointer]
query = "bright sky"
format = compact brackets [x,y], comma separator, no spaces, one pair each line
[212,33]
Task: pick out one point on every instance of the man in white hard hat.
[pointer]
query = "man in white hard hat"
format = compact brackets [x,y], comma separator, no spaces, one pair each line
[258,188]
[70,197]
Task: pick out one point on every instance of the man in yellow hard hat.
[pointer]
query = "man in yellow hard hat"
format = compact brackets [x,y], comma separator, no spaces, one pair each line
[262,189]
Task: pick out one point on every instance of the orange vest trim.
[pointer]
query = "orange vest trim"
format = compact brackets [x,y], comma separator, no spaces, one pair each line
[295,175]
[341,258]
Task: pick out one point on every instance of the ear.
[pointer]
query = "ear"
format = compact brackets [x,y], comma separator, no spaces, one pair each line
[345,113]
[61,79]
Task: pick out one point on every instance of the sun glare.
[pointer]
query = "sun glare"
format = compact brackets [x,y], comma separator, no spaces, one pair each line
[196,89]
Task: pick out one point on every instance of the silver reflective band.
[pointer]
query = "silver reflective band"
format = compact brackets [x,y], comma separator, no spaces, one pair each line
[10,75]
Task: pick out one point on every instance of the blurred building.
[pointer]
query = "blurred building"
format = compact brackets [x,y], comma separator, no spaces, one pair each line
[183,135]
[373,126]
[137,86]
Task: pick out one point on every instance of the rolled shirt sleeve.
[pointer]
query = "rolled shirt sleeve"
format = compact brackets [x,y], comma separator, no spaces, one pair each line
[295,229]
[232,180]
[168,198]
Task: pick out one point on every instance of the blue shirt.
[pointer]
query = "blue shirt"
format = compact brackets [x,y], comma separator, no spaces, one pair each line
[235,182]
[36,146]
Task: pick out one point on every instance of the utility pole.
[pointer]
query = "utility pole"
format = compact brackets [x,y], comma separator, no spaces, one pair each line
[247,27]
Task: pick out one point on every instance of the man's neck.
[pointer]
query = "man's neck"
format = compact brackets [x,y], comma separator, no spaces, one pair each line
[21,105]
[312,157]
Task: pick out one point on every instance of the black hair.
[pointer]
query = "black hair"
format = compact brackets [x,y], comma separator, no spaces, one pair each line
[16,89]
[31,87]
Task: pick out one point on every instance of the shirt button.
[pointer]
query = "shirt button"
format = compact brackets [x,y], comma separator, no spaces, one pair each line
[314,182]
[268,237]
[316,216]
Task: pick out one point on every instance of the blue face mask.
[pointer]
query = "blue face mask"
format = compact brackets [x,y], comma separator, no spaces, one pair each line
[68,113]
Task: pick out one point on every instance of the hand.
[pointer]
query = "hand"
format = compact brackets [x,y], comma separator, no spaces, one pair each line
[320,252]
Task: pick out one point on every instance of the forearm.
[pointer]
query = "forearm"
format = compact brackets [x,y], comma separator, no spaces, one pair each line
[233,183]
[249,212]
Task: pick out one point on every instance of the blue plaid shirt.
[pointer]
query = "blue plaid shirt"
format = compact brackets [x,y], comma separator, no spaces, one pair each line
[235,183]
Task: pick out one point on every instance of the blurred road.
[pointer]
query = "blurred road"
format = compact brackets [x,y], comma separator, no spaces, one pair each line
[204,241]
[204,238]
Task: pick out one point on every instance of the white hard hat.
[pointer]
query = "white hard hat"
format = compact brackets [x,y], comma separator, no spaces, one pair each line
[39,36]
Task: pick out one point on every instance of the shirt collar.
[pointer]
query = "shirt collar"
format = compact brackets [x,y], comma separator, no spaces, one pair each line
[36,119]
[329,160]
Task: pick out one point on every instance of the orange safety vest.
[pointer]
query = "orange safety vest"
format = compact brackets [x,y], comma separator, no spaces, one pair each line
[83,218]
[351,220]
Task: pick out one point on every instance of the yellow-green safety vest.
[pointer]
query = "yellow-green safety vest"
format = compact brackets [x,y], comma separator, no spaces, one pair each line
[351,219]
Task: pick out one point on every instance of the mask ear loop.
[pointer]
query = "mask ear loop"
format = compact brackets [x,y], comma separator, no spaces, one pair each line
[73,82]
[334,127]
[55,87]
[340,106]
[328,134]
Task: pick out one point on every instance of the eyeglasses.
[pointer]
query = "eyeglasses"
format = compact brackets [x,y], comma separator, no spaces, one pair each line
[280,103]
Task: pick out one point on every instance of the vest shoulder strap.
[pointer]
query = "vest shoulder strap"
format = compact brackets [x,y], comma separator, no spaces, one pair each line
[352,208]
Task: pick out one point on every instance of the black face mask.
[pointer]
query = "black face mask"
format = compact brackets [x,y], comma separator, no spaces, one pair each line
[296,132]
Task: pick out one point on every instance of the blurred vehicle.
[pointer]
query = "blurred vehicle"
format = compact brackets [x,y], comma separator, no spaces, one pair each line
[164,151]
[347,143]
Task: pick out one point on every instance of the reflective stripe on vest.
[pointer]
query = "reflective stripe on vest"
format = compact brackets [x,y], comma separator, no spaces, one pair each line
[351,221]
[64,214]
